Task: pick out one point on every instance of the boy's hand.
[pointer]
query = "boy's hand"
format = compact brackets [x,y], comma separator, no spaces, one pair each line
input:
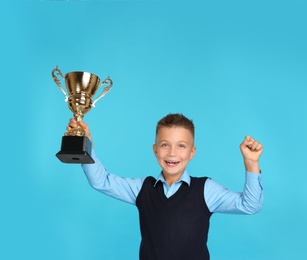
[73,123]
[251,151]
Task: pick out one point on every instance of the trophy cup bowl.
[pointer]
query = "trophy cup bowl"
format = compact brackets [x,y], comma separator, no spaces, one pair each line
[81,88]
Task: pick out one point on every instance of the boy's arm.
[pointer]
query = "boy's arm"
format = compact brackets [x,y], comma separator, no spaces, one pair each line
[222,200]
[125,189]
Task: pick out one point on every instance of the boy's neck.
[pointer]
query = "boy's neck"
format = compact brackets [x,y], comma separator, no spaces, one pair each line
[170,179]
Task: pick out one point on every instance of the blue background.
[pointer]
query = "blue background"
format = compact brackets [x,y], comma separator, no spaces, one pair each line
[234,67]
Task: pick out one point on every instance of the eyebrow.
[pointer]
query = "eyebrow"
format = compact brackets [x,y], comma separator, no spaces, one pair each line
[181,141]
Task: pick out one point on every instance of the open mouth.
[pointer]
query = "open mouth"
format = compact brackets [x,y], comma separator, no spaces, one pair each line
[172,163]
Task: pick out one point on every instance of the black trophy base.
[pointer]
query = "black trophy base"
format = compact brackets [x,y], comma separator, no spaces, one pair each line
[75,149]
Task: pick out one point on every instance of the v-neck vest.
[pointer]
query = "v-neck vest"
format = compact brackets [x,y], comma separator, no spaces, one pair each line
[176,227]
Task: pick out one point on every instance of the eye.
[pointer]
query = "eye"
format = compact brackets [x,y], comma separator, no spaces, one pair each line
[181,145]
[164,145]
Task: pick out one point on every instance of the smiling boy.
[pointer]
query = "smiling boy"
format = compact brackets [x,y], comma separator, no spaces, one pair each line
[174,148]
[175,208]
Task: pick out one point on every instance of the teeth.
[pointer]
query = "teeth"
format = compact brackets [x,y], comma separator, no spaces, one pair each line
[171,162]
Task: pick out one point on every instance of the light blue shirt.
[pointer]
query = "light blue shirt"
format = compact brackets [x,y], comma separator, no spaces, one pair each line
[218,198]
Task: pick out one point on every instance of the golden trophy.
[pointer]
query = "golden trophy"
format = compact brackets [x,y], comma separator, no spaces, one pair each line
[81,87]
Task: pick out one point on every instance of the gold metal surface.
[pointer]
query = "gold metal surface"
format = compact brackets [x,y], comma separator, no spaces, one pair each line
[81,88]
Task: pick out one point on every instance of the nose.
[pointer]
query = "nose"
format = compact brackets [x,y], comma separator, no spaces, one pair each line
[172,152]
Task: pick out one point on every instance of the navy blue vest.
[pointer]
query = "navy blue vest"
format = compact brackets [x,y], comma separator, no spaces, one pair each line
[174,228]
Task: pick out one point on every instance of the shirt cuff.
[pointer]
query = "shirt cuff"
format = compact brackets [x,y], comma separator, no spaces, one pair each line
[253,177]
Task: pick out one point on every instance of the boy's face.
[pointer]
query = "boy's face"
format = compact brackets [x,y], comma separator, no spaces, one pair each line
[174,148]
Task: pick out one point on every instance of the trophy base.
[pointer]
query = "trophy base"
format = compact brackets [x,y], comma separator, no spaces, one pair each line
[75,149]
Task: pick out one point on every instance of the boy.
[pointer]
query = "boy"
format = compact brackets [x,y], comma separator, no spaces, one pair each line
[175,208]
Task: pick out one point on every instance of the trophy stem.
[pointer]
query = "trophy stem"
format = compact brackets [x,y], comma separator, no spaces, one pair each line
[78,118]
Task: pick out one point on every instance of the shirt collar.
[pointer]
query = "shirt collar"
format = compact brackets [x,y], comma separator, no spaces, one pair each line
[185,177]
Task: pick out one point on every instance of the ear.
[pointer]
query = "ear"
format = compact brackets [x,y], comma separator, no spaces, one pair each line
[193,151]
[154,148]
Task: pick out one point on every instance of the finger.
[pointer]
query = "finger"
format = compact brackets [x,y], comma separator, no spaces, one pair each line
[72,123]
[259,147]
[256,146]
[248,141]
[247,138]
[251,142]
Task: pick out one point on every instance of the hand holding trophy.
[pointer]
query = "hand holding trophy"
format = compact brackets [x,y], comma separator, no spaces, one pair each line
[81,86]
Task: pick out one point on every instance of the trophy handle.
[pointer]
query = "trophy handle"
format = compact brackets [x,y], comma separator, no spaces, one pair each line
[57,81]
[105,90]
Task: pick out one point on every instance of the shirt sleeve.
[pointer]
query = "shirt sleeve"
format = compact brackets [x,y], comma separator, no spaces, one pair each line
[222,200]
[124,189]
